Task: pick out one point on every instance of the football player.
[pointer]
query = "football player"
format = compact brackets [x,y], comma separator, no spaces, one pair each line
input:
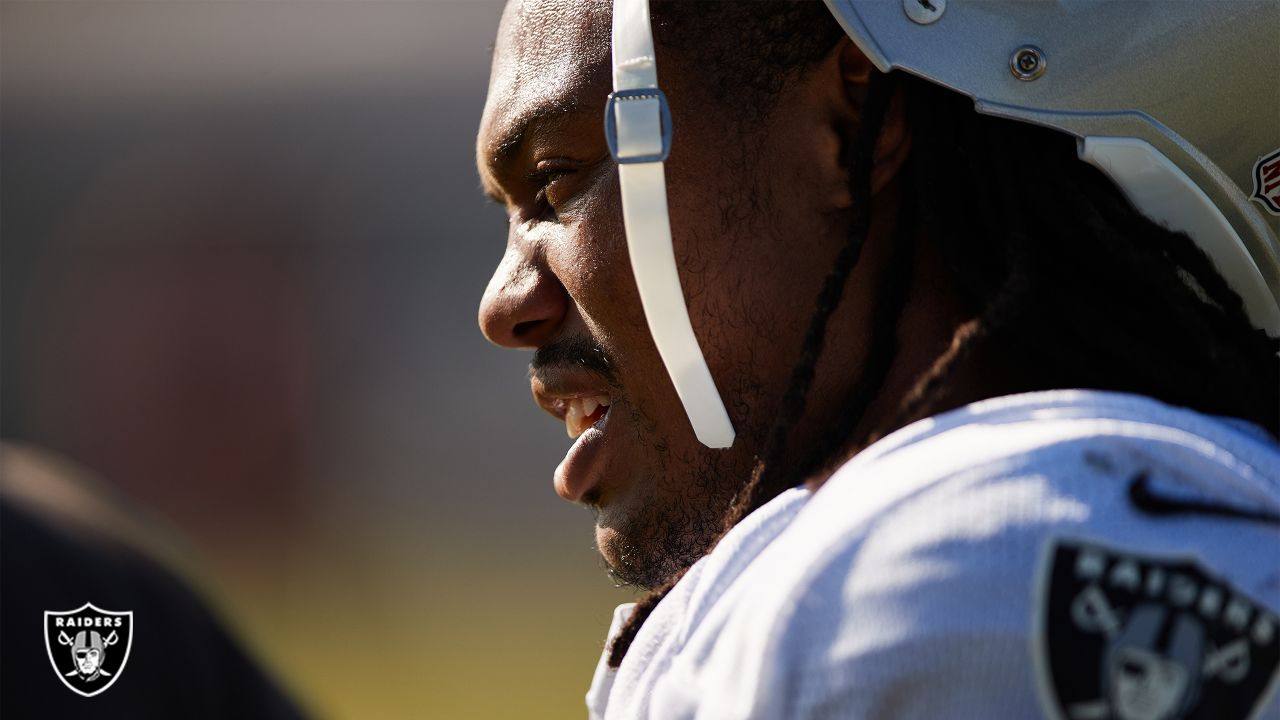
[919,355]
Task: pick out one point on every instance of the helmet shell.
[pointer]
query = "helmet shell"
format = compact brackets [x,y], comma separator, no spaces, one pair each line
[1199,82]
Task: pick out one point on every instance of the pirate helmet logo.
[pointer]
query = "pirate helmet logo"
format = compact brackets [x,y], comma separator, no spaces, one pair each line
[88,646]
[1145,679]
[1125,637]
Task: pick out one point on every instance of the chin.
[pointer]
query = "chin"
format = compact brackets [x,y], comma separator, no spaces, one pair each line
[648,555]
[665,520]
[619,558]
[629,562]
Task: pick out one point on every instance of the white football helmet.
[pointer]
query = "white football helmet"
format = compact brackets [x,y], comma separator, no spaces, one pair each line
[1177,101]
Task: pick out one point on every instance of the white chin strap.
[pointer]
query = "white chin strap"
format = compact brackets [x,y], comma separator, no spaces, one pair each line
[637,125]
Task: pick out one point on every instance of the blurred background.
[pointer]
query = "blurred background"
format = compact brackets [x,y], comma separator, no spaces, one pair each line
[242,250]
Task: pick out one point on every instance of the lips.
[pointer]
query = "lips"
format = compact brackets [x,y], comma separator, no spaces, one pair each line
[582,402]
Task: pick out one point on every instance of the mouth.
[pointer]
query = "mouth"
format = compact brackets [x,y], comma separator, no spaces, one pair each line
[582,413]
[583,404]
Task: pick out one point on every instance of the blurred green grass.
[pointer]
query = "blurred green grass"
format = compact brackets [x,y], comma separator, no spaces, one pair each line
[503,627]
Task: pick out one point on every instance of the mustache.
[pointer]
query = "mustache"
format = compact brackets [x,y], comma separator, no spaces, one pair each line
[575,351]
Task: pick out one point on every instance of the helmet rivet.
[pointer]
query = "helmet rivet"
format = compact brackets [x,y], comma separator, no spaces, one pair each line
[1027,62]
[923,12]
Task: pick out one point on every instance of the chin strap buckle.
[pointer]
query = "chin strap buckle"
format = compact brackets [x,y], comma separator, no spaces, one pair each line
[637,126]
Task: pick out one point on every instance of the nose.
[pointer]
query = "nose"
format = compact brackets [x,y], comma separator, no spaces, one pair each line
[525,303]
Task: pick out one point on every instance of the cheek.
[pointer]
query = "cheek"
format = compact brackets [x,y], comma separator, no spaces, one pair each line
[750,263]
[752,250]
[587,249]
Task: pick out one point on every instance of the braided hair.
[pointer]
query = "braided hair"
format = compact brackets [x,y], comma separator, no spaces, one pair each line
[1054,268]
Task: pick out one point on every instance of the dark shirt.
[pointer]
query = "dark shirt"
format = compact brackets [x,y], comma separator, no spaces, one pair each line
[181,664]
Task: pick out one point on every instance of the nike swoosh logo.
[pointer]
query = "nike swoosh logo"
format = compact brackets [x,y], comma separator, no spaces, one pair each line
[1147,500]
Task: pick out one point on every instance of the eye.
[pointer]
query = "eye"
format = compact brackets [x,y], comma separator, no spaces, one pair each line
[547,180]
[544,179]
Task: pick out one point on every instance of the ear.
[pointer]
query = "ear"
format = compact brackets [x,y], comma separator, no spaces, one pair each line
[821,115]
[849,72]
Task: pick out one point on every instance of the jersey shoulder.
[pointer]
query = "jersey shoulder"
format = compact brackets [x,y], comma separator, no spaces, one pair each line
[1012,559]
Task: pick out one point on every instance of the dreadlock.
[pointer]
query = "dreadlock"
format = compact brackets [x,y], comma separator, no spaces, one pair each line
[1055,269]
[1072,282]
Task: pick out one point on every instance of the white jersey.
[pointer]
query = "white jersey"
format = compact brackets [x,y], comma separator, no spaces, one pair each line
[1068,554]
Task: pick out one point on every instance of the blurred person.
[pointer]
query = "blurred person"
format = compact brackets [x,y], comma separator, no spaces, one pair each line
[1018,458]
[159,345]
[73,554]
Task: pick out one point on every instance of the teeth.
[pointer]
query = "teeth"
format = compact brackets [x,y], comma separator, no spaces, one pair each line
[580,413]
[573,419]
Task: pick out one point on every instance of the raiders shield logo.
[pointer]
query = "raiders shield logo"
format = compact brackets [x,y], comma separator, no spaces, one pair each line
[1124,637]
[1266,182]
[88,646]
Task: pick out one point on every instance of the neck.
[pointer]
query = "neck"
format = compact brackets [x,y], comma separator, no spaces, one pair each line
[929,326]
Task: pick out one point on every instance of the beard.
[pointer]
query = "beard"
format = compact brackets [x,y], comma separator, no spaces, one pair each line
[648,552]
[676,522]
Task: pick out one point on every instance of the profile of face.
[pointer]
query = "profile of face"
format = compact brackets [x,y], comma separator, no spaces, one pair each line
[758,212]
[88,660]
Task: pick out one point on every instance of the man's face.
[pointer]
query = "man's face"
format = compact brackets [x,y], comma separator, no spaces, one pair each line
[755,225]
[87,660]
[1147,686]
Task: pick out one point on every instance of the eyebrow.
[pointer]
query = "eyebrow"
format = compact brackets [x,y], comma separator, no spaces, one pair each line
[513,138]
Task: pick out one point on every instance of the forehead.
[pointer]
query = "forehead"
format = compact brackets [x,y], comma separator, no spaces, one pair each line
[548,54]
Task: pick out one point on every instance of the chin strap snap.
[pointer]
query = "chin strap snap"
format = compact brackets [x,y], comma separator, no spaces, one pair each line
[638,130]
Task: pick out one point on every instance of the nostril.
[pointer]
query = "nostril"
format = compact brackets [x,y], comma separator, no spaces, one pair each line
[523,329]
[524,303]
